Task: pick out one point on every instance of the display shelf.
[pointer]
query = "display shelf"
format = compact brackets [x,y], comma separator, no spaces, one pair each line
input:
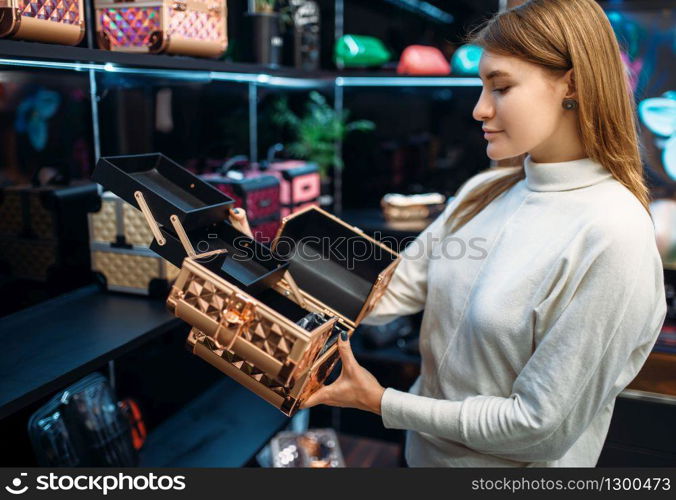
[48,56]
[391,354]
[50,345]
[384,80]
[641,433]
[42,55]
[224,427]
[372,221]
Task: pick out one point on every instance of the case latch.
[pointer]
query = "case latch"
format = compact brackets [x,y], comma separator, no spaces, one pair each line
[237,316]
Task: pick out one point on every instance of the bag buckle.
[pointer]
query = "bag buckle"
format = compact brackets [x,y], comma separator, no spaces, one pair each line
[180,6]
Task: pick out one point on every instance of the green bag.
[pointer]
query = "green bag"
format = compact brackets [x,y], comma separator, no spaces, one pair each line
[358,51]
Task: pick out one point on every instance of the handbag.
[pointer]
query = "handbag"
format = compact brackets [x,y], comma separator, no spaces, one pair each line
[423,60]
[187,27]
[52,21]
[83,426]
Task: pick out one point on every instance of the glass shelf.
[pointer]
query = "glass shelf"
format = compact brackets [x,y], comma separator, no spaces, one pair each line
[46,56]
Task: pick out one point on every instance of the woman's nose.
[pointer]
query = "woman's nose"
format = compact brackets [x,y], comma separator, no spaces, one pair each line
[484,108]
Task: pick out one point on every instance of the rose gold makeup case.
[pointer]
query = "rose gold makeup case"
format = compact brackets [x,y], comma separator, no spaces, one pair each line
[52,21]
[267,317]
[188,27]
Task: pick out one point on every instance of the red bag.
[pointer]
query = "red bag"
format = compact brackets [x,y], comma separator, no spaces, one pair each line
[423,60]
[256,193]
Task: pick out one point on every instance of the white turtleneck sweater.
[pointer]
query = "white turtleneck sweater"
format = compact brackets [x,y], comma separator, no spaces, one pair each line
[529,334]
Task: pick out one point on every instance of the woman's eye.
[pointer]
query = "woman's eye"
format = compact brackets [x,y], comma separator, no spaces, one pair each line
[501,90]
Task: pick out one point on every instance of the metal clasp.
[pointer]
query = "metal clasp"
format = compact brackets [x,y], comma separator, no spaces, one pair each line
[237,316]
[180,6]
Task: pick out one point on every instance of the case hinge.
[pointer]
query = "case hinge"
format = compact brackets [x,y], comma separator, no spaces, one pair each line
[150,219]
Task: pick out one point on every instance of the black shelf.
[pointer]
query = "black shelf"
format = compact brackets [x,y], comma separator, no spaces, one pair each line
[61,53]
[35,54]
[391,354]
[224,427]
[372,221]
[51,345]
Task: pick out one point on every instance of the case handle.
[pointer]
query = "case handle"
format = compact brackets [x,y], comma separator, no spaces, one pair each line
[184,5]
[185,241]
[152,223]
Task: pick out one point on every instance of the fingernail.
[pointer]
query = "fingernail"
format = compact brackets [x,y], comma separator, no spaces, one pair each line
[343,336]
[235,211]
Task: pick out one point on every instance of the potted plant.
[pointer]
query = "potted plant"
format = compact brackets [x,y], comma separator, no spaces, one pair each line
[318,134]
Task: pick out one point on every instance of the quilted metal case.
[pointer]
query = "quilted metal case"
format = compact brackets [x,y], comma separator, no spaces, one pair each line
[268,318]
[120,250]
[256,338]
[188,27]
[52,21]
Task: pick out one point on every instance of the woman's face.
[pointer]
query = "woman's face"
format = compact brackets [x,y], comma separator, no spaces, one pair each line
[520,106]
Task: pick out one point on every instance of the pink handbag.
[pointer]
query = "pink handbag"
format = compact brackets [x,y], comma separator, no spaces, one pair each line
[423,60]
[300,184]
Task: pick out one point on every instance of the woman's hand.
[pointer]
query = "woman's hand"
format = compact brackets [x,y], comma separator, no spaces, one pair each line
[356,387]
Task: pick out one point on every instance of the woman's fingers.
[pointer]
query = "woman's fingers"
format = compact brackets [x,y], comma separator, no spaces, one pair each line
[325,395]
[345,349]
[319,397]
[239,220]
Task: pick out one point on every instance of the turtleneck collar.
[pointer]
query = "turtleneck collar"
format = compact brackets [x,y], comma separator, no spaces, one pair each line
[565,175]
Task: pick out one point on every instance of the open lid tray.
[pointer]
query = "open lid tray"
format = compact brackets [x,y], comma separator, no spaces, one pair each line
[248,264]
[334,262]
[168,189]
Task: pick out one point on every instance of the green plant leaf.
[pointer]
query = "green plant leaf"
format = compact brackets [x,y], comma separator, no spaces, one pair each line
[318,131]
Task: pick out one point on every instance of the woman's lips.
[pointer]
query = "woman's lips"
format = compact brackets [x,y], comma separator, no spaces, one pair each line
[490,134]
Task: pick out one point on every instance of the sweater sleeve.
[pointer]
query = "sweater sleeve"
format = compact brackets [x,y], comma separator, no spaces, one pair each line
[407,291]
[598,324]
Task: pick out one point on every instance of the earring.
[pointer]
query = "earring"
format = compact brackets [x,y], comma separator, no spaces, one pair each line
[569,104]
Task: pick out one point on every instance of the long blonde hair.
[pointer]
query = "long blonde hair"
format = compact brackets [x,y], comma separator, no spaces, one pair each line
[559,35]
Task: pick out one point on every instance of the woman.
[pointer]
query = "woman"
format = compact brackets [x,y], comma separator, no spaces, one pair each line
[529,335]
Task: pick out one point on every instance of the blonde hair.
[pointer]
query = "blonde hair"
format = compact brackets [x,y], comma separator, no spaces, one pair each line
[559,35]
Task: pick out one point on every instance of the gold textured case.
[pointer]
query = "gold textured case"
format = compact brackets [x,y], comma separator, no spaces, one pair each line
[188,27]
[253,342]
[119,245]
[52,21]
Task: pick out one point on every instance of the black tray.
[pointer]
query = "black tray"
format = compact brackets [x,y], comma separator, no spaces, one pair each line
[168,189]
[248,264]
[324,260]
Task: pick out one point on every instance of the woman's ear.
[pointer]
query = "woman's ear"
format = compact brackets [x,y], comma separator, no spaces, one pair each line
[569,80]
